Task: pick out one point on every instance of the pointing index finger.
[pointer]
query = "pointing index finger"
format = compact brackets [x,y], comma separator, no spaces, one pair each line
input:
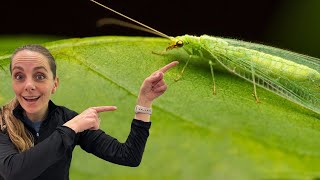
[168,66]
[100,109]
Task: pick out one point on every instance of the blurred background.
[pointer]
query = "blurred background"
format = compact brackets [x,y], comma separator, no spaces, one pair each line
[292,25]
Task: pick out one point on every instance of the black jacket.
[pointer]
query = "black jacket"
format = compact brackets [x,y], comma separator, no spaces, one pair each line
[50,158]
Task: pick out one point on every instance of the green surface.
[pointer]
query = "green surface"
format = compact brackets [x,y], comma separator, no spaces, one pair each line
[9,42]
[194,135]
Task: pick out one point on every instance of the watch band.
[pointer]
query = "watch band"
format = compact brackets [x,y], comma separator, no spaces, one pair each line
[143,110]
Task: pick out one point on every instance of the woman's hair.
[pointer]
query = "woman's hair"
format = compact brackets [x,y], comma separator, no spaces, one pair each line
[40,49]
[18,134]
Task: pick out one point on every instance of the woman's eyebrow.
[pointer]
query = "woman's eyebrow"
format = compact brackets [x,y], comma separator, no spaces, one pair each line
[17,67]
[36,68]
[40,67]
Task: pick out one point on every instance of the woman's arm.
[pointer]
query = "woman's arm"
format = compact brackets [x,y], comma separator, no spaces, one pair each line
[151,88]
[110,149]
[129,153]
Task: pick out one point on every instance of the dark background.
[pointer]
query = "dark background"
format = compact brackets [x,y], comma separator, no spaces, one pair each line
[293,25]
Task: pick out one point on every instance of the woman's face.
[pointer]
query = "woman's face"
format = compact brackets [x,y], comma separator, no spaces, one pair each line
[33,83]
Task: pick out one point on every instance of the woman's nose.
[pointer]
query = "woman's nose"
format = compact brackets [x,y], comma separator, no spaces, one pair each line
[30,86]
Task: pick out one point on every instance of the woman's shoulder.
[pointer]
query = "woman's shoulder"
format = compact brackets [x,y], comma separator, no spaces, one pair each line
[67,111]
[62,111]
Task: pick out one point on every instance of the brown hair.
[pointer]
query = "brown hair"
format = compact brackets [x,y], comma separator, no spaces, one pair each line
[40,49]
[18,134]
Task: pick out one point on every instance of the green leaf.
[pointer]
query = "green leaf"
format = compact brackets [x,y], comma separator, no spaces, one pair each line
[10,42]
[194,134]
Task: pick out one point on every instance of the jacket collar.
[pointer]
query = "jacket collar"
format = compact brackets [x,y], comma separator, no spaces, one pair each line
[18,111]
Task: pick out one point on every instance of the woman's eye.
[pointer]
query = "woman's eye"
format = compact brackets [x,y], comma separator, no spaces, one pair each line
[40,77]
[18,77]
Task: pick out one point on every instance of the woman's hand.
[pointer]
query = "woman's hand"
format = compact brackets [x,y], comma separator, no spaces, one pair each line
[154,86]
[88,119]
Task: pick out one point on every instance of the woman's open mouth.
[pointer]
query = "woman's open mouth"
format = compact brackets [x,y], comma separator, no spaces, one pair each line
[31,98]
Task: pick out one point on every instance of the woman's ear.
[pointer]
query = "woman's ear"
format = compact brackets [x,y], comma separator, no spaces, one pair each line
[55,85]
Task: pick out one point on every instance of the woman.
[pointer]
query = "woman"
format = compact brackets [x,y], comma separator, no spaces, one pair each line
[37,137]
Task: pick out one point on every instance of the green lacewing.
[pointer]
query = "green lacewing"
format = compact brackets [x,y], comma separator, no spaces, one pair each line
[293,76]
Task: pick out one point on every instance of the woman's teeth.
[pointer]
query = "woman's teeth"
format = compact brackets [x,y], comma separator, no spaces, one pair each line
[30,99]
